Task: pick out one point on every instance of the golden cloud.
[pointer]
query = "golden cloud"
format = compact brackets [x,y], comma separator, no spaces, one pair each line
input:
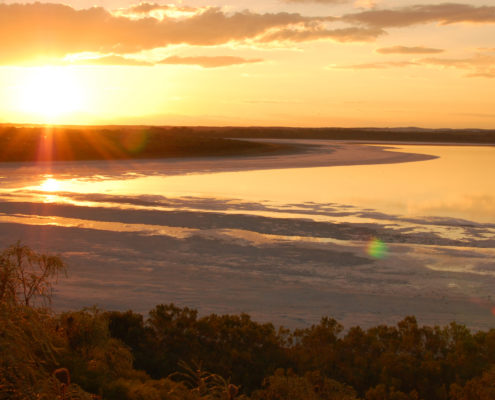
[209,61]
[319,1]
[444,14]
[52,31]
[379,65]
[110,60]
[480,65]
[41,32]
[408,50]
[351,34]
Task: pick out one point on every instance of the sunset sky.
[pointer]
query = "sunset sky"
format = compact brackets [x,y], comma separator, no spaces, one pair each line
[272,62]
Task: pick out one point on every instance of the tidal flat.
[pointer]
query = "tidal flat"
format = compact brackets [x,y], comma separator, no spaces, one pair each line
[364,233]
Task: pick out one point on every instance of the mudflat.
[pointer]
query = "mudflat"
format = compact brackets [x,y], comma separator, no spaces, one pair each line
[286,263]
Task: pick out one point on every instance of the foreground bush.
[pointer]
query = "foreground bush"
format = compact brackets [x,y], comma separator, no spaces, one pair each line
[176,355]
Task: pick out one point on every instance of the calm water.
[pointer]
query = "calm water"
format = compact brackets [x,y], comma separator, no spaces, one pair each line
[458,184]
[285,245]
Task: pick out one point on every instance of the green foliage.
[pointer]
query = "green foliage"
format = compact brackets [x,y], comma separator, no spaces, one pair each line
[229,345]
[26,276]
[382,392]
[29,338]
[123,356]
[406,361]
[146,389]
[83,143]
[203,384]
[312,386]
[93,356]
[239,348]
[314,347]
[479,388]
[28,347]
[172,335]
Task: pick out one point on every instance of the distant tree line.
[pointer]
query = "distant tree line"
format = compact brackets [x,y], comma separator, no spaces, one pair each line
[176,354]
[73,143]
[484,136]
[120,143]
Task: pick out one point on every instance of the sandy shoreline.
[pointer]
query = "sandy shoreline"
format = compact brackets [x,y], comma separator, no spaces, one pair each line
[312,154]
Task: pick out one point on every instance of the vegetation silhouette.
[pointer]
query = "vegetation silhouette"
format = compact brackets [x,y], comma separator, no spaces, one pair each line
[22,144]
[175,354]
[76,143]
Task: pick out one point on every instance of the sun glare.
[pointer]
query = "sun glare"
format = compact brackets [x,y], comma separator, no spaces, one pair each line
[50,185]
[50,92]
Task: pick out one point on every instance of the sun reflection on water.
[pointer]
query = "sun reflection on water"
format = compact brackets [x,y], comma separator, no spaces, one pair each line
[50,185]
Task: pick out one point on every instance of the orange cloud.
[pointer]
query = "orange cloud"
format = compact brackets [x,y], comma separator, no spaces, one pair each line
[319,1]
[482,75]
[444,14]
[144,8]
[408,50]
[379,65]
[45,32]
[350,34]
[472,62]
[159,11]
[209,61]
[111,60]
[481,65]
[54,30]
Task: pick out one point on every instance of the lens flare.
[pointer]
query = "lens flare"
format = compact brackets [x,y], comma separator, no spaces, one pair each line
[134,141]
[377,249]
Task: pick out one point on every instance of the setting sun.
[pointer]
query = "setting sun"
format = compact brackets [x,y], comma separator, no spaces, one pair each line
[253,200]
[50,92]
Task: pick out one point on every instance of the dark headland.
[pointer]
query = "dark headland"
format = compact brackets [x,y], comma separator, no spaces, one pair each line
[20,143]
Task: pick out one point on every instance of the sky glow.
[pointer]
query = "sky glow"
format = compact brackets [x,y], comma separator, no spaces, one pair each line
[286,62]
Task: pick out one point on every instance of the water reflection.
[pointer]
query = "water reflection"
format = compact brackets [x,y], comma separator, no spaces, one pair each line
[50,185]
[143,229]
[412,238]
[458,184]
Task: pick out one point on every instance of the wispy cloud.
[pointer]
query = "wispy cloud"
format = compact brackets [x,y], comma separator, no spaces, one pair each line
[480,65]
[209,61]
[159,11]
[110,60]
[145,8]
[273,101]
[408,50]
[319,1]
[378,65]
[351,34]
[489,75]
[365,3]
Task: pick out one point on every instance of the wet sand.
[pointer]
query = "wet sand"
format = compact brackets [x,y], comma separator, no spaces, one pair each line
[230,256]
[326,153]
